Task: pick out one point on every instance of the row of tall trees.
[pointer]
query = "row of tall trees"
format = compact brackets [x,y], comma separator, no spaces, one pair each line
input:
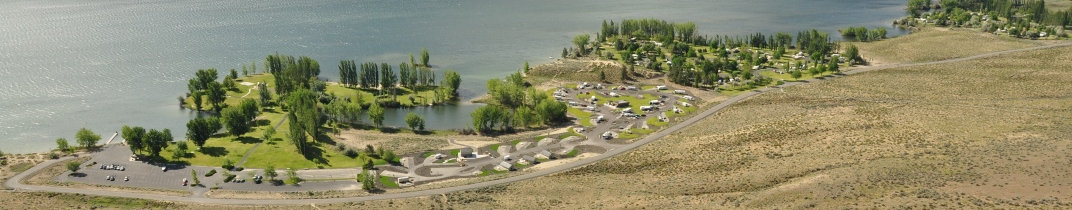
[152,141]
[372,74]
[305,118]
[292,74]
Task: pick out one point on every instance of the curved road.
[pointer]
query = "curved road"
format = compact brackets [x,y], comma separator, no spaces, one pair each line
[15,182]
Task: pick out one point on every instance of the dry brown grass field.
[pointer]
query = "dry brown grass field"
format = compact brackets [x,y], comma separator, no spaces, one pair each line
[991,133]
[931,44]
[987,133]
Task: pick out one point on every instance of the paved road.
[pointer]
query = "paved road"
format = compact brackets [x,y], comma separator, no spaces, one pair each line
[15,182]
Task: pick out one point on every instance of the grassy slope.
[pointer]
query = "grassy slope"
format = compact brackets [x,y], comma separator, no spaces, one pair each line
[933,44]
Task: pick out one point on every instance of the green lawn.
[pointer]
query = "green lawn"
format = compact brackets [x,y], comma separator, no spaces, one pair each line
[282,153]
[494,147]
[235,97]
[422,96]
[634,102]
[387,182]
[572,153]
[454,152]
[581,115]
[570,133]
[654,122]
[278,152]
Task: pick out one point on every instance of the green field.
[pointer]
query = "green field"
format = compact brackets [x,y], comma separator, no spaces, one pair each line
[422,96]
[654,122]
[235,97]
[582,116]
[278,152]
[387,182]
[634,102]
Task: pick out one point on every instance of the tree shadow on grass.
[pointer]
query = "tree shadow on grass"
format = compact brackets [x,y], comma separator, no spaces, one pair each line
[247,140]
[214,151]
[261,122]
[323,137]
[315,152]
[161,161]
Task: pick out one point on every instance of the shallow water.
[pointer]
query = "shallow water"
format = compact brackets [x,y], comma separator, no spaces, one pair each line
[103,64]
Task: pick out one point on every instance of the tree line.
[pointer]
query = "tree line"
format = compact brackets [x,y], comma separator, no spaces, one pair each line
[860,33]
[514,104]
[1021,18]
[151,142]
[85,139]
[687,63]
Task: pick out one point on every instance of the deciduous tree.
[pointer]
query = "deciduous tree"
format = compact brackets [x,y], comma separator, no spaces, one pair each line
[87,138]
[375,113]
[415,121]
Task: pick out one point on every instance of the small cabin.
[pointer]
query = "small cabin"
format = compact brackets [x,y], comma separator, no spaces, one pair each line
[466,153]
[506,165]
[529,159]
[547,154]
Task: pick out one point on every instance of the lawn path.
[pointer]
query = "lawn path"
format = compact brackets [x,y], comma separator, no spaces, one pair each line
[251,149]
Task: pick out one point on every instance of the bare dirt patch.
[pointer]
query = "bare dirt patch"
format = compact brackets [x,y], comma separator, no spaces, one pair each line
[557,162]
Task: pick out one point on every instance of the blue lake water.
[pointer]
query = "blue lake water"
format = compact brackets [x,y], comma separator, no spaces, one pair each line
[102,64]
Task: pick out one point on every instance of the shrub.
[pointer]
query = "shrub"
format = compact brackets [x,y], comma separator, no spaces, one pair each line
[53,156]
[228,164]
[239,169]
[229,177]
[350,153]
[210,173]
